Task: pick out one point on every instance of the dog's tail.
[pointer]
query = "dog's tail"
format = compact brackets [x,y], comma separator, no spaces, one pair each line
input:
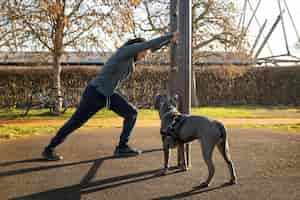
[222,131]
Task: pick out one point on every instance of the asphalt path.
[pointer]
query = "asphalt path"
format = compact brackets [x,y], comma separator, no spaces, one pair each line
[267,164]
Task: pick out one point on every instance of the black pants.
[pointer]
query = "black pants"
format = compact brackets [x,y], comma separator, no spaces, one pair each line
[91,102]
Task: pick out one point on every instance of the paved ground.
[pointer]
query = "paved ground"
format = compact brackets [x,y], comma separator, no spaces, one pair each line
[267,163]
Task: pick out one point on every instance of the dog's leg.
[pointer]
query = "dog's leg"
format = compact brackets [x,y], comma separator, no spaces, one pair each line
[224,150]
[181,156]
[188,155]
[207,149]
[166,159]
[166,150]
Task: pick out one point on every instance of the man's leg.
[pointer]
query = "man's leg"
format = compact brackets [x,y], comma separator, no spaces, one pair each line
[90,103]
[129,112]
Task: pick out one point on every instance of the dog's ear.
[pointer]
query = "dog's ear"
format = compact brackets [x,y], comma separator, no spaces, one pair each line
[176,97]
[175,100]
[159,99]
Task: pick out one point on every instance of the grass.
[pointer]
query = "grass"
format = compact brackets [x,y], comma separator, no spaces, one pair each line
[213,112]
[224,112]
[15,131]
[8,131]
[249,112]
[290,128]
[19,130]
[14,114]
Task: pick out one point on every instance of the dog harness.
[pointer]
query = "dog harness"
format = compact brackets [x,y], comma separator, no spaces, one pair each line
[173,128]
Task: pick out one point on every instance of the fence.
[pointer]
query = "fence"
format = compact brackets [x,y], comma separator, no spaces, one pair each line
[215,86]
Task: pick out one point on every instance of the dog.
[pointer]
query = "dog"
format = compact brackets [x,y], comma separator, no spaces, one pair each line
[209,133]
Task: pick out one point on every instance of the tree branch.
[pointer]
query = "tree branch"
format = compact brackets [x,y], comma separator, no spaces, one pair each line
[75,9]
[37,35]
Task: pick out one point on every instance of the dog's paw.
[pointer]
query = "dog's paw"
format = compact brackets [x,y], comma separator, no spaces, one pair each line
[182,168]
[162,172]
[232,182]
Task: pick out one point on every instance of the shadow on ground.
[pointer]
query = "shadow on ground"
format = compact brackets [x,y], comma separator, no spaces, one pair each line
[192,192]
[74,192]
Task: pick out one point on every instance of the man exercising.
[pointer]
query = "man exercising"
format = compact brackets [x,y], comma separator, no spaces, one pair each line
[101,92]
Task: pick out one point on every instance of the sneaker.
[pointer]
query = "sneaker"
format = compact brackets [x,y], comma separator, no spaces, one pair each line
[126,151]
[51,155]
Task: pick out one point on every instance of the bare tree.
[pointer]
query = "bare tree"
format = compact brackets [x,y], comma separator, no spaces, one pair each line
[58,25]
[213,23]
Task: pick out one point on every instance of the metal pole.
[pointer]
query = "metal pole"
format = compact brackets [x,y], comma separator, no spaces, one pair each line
[258,37]
[258,23]
[253,15]
[173,74]
[292,20]
[268,36]
[185,68]
[283,29]
[242,18]
[245,30]
[185,54]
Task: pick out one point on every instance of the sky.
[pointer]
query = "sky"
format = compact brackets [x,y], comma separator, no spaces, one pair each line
[269,10]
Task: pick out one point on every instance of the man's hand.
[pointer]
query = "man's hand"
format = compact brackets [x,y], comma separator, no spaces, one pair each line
[175,37]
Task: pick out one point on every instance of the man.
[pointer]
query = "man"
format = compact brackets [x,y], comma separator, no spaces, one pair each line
[101,92]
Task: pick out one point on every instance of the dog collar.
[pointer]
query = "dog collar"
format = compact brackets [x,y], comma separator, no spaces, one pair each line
[173,111]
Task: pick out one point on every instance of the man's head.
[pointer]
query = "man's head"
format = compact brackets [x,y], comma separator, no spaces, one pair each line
[141,55]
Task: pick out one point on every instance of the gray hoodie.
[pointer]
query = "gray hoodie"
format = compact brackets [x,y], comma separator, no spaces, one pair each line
[119,66]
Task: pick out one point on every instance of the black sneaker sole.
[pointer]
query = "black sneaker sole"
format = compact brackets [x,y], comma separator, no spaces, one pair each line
[51,158]
[118,154]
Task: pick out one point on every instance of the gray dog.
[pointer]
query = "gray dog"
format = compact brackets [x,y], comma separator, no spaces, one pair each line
[209,133]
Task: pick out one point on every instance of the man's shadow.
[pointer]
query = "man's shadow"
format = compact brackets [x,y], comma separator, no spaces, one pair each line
[47,167]
[87,186]
[6,164]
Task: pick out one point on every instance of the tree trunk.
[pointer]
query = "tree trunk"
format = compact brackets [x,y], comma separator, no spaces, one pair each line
[56,89]
[57,53]
[195,100]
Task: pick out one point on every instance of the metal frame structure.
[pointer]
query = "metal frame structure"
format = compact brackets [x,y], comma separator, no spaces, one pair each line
[276,60]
